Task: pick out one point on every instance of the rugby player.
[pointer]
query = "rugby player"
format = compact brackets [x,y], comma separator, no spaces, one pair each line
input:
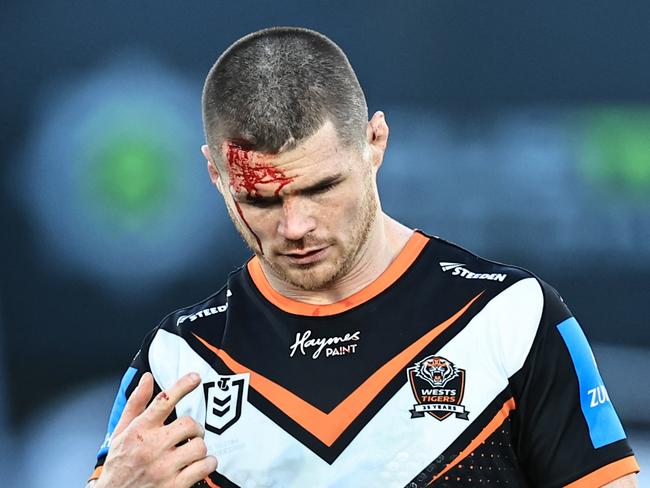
[350,350]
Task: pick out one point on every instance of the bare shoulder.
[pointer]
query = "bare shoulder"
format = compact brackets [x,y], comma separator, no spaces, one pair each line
[628,481]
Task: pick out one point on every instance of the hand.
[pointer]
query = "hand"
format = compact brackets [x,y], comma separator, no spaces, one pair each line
[143,450]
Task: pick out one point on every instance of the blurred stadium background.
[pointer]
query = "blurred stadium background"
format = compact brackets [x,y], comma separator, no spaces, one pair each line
[519,130]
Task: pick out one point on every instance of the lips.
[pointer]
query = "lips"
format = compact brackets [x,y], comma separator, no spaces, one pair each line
[303,253]
[306,256]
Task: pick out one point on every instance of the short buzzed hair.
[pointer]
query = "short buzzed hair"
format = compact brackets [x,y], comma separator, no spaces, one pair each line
[275,87]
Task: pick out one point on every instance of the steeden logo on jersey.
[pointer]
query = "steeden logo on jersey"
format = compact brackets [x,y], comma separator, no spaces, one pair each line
[438,386]
[332,346]
[206,312]
[458,269]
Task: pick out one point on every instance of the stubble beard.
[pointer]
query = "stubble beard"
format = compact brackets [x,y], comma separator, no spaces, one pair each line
[314,279]
[310,277]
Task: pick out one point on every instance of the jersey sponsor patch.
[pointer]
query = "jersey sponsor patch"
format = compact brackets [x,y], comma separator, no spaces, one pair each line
[438,386]
[224,399]
[116,411]
[603,423]
[327,346]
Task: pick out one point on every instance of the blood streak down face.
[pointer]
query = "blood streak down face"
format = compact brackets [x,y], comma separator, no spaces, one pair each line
[311,208]
[247,170]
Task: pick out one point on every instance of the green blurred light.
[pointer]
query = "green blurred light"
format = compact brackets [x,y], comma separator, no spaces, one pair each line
[617,151]
[131,179]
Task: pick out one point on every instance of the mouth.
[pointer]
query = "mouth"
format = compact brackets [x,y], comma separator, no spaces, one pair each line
[306,256]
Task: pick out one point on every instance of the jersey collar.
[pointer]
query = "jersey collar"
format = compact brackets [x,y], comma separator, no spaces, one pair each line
[395,270]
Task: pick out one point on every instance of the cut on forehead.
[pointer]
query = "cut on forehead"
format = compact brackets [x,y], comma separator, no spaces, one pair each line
[316,148]
[274,88]
[309,168]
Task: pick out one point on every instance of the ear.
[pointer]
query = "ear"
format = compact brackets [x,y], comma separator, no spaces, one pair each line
[215,176]
[377,137]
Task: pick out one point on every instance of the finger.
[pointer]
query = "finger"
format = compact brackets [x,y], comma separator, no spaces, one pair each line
[136,403]
[190,452]
[195,472]
[182,429]
[166,400]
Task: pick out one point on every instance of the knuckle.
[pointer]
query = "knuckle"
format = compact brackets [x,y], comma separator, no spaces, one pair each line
[129,436]
[190,425]
[136,423]
[162,397]
[201,448]
[209,464]
[198,429]
[185,422]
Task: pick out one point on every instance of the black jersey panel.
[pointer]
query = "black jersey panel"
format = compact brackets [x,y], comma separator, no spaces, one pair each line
[484,451]
[283,346]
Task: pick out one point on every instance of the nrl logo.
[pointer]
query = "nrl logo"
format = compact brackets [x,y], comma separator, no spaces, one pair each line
[223,401]
[438,386]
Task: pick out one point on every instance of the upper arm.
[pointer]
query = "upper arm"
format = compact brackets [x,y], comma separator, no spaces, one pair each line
[567,429]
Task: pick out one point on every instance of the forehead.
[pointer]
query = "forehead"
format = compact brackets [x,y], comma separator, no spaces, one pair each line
[318,156]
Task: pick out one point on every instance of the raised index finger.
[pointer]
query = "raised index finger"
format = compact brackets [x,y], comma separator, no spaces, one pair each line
[166,400]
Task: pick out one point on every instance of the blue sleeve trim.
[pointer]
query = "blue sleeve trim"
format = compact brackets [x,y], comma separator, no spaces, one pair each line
[603,423]
[118,408]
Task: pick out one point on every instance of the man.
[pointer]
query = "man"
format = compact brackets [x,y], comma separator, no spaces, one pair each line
[350,350]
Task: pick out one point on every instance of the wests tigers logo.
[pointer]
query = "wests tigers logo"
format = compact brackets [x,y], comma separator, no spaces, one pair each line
[438,385]
[436,370]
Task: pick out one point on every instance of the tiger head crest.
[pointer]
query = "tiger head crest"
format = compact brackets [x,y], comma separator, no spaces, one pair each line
[436,370]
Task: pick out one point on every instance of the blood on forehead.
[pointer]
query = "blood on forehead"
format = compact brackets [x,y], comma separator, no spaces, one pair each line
[247,169]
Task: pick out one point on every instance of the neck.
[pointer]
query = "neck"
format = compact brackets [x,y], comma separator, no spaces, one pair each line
[386,240]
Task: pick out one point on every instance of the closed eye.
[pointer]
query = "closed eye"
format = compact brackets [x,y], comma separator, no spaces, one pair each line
[262,202]
[317,189]
[324,185]
[320,189]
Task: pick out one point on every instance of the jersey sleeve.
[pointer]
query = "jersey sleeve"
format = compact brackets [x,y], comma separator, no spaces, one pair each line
[138,367]
[567,431]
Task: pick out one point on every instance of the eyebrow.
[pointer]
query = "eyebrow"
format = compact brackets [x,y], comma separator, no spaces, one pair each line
[309,190]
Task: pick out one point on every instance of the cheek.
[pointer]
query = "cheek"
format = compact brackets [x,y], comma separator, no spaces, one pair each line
[340,217]
[348,203]
[334,213]
[355,208]
[261,220]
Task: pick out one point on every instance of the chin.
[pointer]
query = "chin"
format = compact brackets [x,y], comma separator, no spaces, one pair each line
[310,277]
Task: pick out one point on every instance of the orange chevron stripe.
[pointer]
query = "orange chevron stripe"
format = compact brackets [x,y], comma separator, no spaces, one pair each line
[328,427]
[487,431]
[210,483]
[96,472]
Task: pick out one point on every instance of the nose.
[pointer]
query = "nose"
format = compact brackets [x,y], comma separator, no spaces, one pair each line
[296,221]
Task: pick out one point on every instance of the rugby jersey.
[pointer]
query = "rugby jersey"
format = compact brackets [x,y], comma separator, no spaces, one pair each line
[448,370]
